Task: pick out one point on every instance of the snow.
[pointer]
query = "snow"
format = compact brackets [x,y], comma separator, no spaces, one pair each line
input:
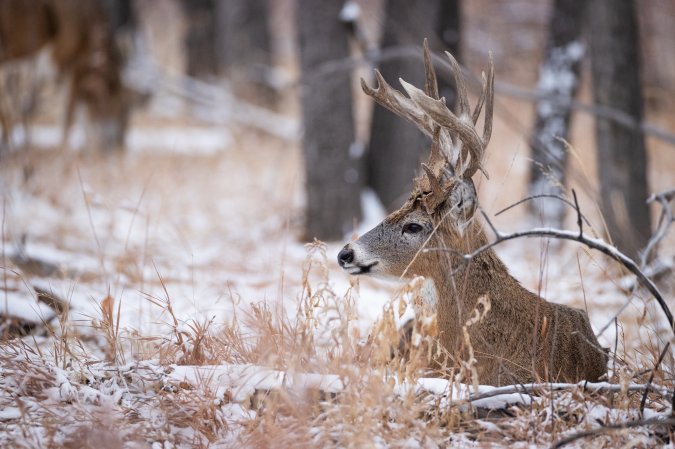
[10,413]
[24,307]
[557,84]
[205,141]
[350,12]
[188,217]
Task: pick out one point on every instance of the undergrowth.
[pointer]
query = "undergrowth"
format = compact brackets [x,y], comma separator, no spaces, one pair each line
[55,393]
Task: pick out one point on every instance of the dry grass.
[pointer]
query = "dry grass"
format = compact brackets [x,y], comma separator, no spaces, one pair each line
[174,263]
[66,399]
[146,240]
[168,261]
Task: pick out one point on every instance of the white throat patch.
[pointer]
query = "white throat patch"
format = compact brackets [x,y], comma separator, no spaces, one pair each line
[429,293]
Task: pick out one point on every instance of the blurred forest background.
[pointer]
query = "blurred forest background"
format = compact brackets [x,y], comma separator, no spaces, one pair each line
[165,166]
[585,90]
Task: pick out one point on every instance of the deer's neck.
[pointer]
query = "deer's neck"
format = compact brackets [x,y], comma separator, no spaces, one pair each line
[460,284]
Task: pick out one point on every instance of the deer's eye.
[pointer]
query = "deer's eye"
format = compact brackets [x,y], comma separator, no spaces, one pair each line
[412,228]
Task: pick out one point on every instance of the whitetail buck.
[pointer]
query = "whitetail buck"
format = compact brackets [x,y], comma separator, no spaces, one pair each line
[521,337]
[85,53]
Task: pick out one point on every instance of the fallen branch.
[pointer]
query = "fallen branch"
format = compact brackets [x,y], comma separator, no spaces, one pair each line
[610,427]
[243,381]
[595,387]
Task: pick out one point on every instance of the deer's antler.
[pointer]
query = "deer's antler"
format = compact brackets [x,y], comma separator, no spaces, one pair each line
[457,149]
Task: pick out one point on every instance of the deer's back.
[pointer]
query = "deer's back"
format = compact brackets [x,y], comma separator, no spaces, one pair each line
[526,339]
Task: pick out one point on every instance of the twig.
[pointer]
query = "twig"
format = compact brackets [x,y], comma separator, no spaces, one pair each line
[329,68]
[599,387]
[535,197]
[578,209]
[666,219]
[510,90]
[609,427]
[651,378]
[590,242]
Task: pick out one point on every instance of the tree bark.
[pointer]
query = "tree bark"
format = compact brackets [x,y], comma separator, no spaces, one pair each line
[558,79]
[243,38]
[622,160]
[449,33]
[200,39]
[332,159]
[396,148]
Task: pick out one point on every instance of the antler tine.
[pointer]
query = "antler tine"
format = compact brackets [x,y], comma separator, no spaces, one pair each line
[399,104]
[430,83]
[437,154]
[462,94]
[433,118]
[435,185]
[440,114]
[481,100]
[489,102]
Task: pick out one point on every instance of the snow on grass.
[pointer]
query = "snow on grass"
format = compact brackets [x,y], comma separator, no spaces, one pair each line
[196,318]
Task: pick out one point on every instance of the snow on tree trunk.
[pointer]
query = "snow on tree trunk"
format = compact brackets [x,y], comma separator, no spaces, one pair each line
[558,81]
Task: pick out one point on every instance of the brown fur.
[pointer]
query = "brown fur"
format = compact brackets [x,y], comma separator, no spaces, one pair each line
[85,53]
[481,310]
[522,338]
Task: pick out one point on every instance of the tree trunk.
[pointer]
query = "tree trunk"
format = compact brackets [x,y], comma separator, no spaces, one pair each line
[449,33]
[558,80]
[622,160]
[243,38]
[396,148]
[331,157]
[200,39]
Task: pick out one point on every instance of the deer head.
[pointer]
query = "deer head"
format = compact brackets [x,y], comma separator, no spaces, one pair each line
[440,209]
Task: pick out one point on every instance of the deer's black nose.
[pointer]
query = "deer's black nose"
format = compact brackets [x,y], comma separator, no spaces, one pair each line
[345,256]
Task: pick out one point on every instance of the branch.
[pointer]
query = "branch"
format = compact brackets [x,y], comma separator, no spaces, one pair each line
[651,378]
[509,90]
[597,387]
[590,242]
[665,221]
[542,195]
[609,427]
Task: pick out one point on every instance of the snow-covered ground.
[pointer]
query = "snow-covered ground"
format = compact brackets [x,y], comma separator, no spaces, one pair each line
[185,252]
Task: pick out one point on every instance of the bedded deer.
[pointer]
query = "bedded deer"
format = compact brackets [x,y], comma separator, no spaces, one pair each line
[83,49]
[520,336]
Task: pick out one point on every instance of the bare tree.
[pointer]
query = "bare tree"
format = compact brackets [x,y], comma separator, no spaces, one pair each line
[200,41]
[395,150]
[331,157]
[449,34]
[243,38]
[622,160]
[558,79]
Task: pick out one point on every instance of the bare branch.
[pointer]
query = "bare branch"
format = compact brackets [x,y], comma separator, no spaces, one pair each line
[595,387]
[503,88]
[576,206]
[651,378]
[665,221]
[609,427]
[590,242]
[542,195]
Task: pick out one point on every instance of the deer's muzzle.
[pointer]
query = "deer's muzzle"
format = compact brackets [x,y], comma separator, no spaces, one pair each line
[346,259]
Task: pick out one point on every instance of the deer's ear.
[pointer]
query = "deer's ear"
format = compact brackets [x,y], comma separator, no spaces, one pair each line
[462,203]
